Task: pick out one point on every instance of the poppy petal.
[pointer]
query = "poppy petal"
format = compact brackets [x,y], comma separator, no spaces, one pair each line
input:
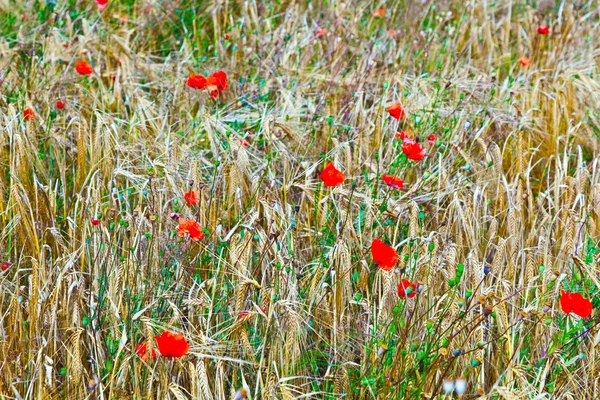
[83,68]
[413,150]
[191,197]
[196,81]
[172,344]
[565,302]
[393,181]
[384,256]
[331,176]
[396,111]
[580,305]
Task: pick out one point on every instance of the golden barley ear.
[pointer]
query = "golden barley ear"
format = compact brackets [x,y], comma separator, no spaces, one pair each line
[202,376]
[341,382]
[75,363]
[177,392]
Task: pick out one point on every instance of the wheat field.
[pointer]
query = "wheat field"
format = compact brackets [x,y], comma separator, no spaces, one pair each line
[281,298]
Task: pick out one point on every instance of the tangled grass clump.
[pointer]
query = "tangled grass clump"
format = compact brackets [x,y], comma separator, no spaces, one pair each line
[282,199]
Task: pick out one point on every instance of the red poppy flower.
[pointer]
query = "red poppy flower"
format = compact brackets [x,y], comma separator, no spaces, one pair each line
[102,4]
[218,79]
[391,33]
[321,32]
[331,176]
[396,111]
[524,61]
[543,30]
[5,265]
[60,105]
[217,83]
[196,81]
[431,139]
[192,197]
[190,227]
[393,181]
[172,344]
[413,150]
[385,256]
[407,289]
[402,135]
[142,351]
[95,221]
[575,303]
[380,12]
[28,114]
[244,142]
[83,68]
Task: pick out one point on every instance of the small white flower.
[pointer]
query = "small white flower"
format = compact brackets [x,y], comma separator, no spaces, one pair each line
[460,385]
[448,386]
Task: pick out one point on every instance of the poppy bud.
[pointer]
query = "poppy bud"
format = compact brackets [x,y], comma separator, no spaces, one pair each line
[382,349]
[93,382]
[487,310]
[240,394]
[547,307]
